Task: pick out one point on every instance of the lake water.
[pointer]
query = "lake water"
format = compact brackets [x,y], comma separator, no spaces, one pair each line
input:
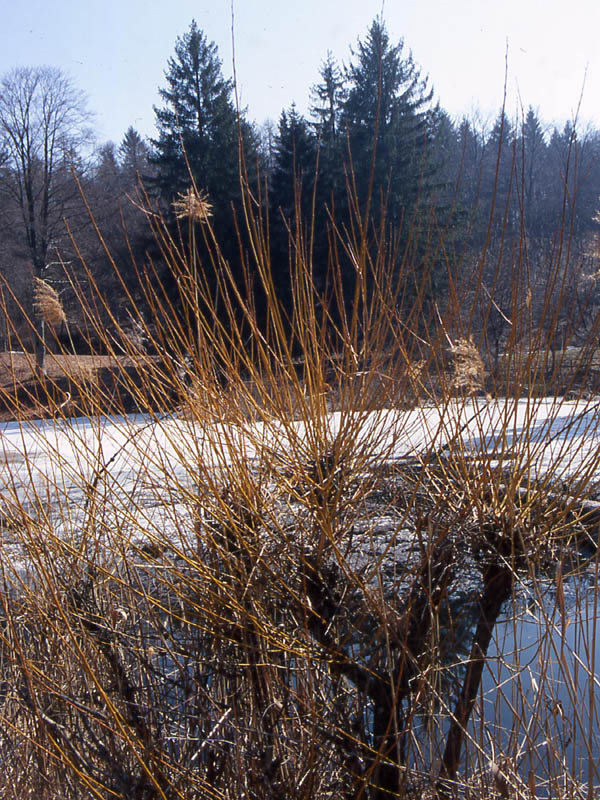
[540,694]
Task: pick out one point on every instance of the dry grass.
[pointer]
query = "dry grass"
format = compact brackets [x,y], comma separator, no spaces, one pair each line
[469,370]
[47,303]
[19,367]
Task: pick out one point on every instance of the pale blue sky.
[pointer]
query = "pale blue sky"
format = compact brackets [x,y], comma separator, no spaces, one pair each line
[116,50]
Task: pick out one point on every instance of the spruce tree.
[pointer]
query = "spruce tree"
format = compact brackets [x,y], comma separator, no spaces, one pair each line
[385,116]
[327,97]
[291,192]
[295,163]
[197,126]
[133,156]
[199,131]
[499,176]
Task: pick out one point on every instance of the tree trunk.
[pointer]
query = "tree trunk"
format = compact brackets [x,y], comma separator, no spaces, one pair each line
[40,348]
[498,582]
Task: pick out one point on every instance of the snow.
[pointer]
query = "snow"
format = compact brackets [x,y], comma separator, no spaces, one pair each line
[57,461]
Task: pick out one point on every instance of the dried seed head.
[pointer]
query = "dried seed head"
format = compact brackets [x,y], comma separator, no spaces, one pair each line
[194,205]
[414,371]
[47,303]
[469,370]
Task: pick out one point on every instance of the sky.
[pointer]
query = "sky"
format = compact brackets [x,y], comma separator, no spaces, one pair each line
[116,51]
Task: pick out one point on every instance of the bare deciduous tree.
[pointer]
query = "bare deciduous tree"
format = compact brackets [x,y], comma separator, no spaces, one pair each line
[43,125]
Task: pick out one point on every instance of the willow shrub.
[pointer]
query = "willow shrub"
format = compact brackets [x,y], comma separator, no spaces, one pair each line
[258,589]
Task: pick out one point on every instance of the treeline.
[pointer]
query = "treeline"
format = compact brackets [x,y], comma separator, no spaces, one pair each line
[376,163]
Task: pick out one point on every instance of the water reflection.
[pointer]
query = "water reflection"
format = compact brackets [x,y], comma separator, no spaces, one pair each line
[540,693]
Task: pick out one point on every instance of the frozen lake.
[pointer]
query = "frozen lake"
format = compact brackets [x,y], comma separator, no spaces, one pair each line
[140,475]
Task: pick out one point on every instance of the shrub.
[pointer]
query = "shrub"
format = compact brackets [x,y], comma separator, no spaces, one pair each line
[284,580]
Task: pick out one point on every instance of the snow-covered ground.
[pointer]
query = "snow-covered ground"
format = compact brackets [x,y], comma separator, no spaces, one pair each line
[57,461]
[551,433]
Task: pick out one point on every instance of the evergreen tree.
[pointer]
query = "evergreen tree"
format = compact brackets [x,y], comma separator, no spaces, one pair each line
[533,157]
[198,126]
[561,179]
[574,158]
[385,116]
[292,187]
[266,137]
[198,132]
[469,172]
[499,188]
[133,156]
[328,96]
[295,164]
[107,171]
[443,158]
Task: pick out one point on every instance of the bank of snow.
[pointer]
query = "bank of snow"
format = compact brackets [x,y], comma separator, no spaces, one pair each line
[57,461]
